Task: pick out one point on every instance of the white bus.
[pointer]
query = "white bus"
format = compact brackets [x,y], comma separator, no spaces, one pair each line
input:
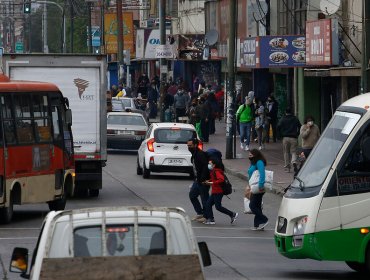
[325,212]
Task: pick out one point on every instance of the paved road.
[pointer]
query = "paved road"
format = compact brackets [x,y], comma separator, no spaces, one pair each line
[237,252]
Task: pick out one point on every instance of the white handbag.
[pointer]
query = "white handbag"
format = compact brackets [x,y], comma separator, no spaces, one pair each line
[253,181]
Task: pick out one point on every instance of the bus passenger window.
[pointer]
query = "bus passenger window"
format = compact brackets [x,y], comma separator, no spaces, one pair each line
[43,130]
[22,106]
[24,131]
[9,132]
[55,117]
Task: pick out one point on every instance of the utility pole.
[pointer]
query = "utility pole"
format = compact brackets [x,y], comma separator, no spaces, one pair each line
[89,37]
[163,61]
[45,28]
[230,114]
[366,46]
[119,39]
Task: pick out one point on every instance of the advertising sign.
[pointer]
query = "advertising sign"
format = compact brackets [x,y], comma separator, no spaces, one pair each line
[248,53]
[111,31]
[282,51]
[164,51]
[147,41]
[322,43]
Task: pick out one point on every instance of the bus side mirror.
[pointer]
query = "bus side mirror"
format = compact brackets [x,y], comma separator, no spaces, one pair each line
[204,252]
[19,261]
[69,116]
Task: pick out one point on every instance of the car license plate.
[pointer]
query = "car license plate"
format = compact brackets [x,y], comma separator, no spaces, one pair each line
[175,161]
[125,132]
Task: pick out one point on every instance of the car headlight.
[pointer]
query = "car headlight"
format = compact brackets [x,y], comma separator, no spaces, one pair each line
[300,226]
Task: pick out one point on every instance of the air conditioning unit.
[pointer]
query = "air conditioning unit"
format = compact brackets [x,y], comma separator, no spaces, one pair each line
[143,23]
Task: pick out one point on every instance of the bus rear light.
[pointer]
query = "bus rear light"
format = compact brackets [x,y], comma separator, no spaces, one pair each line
[150,145]
[364,230]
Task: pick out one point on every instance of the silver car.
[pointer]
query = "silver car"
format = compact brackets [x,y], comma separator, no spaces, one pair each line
[125,130]
[129,104]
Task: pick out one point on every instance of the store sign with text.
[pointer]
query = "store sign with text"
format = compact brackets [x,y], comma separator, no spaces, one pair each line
[273,51]
[322,42]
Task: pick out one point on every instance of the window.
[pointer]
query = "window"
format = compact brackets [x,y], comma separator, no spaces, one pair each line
[175,136]
[126,120]
[119,240]
[7,114]
[41,118]
[23,121]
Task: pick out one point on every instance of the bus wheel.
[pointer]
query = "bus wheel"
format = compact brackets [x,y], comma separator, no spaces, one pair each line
[356,266]
[6,213]
[94,192]
[59,204]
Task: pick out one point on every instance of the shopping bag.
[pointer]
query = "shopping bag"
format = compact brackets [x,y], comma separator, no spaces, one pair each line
[253,181]
[247,210]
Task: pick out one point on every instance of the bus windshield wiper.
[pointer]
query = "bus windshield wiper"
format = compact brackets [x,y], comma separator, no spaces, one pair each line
[301,183]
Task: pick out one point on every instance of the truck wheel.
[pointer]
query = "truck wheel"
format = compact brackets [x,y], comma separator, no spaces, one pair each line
[94,192]
[356,266]
[146,172]
[6,213]
[139,170]
[59,204]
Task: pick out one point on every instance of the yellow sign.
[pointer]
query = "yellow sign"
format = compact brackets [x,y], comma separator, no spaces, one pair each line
[111,31]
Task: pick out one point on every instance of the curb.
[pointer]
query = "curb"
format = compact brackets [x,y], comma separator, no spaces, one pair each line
[276,188]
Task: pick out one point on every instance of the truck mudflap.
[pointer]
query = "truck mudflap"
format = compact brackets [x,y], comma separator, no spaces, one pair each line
[129,267]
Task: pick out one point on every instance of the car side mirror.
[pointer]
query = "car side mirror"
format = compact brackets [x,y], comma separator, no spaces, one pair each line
[19,261]
[204,252]
[69,116]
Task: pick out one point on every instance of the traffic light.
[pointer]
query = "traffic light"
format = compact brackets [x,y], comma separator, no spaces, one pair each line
[27,7]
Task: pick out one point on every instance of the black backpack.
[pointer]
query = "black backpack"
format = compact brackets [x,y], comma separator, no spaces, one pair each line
[226,186]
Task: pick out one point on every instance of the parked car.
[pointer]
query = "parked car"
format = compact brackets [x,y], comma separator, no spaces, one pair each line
[130,103]
[125,130]
[164,149]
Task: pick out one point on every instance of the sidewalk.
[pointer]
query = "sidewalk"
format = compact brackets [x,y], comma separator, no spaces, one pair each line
[239,166]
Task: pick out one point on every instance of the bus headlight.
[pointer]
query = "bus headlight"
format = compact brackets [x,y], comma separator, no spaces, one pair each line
[298,231]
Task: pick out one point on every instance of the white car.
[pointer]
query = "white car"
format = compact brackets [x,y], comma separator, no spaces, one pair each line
[165,149]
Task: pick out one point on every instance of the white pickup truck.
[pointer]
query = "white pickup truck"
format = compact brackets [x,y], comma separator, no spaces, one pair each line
[115,243]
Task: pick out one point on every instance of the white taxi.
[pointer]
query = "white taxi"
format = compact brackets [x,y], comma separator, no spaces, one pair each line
[165,149]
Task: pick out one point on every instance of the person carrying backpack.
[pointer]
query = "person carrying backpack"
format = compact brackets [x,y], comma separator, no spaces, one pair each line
[216,181]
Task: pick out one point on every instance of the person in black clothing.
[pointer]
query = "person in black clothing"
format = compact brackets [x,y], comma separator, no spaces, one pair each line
[203,111]
[201,175]
[272,117]
[289,127]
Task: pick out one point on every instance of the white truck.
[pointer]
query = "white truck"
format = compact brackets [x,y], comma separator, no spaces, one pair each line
[115,243]
[82,79]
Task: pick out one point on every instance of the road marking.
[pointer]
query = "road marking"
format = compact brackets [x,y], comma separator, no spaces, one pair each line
[235,237]
[17,238]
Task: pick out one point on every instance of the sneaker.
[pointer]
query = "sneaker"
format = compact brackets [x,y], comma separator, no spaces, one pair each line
[254,228]
[233,218]
[246,148]
[209,222]
[242,146]
[256,140]
[260,148]
[262,226]
[248,212]
[201,220]
[196,217]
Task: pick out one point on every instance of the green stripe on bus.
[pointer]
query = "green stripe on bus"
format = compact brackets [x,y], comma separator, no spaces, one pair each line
[335,245]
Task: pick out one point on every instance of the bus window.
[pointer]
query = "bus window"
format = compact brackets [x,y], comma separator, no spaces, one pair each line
[56,126]
[6,110]
[22,106]
[24,131]
[41,118]
[23,123]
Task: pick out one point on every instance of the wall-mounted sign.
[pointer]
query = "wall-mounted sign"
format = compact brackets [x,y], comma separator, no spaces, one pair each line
[273,51]
[147,41]
[164,51]
[322,43]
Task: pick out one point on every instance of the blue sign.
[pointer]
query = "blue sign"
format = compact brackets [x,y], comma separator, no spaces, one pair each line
[282,51]
[95,36]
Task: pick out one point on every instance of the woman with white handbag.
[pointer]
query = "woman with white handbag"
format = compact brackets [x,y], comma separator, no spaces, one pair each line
[258,163]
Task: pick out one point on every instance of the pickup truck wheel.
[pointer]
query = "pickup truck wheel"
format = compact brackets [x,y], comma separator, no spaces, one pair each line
[139,170]
[6,213]
[59,204]
[146,172]
[94,192]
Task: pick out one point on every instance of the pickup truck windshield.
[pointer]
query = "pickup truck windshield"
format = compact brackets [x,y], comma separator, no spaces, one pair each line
[317,166]
[119,241]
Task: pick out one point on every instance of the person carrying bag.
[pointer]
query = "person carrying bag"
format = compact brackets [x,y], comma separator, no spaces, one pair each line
[258,163]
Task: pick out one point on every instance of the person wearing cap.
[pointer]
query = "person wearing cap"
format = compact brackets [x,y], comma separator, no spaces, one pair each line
[244,115]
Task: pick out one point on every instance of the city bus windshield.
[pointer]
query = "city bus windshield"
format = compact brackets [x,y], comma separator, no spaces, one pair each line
[317,166]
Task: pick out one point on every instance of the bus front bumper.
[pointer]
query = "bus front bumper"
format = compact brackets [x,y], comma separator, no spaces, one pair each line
[297,247]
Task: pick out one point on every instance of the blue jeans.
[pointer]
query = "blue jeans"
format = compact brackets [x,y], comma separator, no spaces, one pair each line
[256,207]
[216,199]
[245,132]
[202,191]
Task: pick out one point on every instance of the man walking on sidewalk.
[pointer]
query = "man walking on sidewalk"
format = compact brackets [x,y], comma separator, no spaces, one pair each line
[245,117]
[201,175]
[289,128]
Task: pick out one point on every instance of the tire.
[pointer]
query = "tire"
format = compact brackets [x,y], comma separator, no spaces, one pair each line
[146,172]
[6,213]
[139,170]
[59,204]
[356,266]
[94,192]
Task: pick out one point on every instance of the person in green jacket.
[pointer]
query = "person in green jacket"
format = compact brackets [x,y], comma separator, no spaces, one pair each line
[245,116]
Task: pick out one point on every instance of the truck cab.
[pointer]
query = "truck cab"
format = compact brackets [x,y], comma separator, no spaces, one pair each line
[114,243]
